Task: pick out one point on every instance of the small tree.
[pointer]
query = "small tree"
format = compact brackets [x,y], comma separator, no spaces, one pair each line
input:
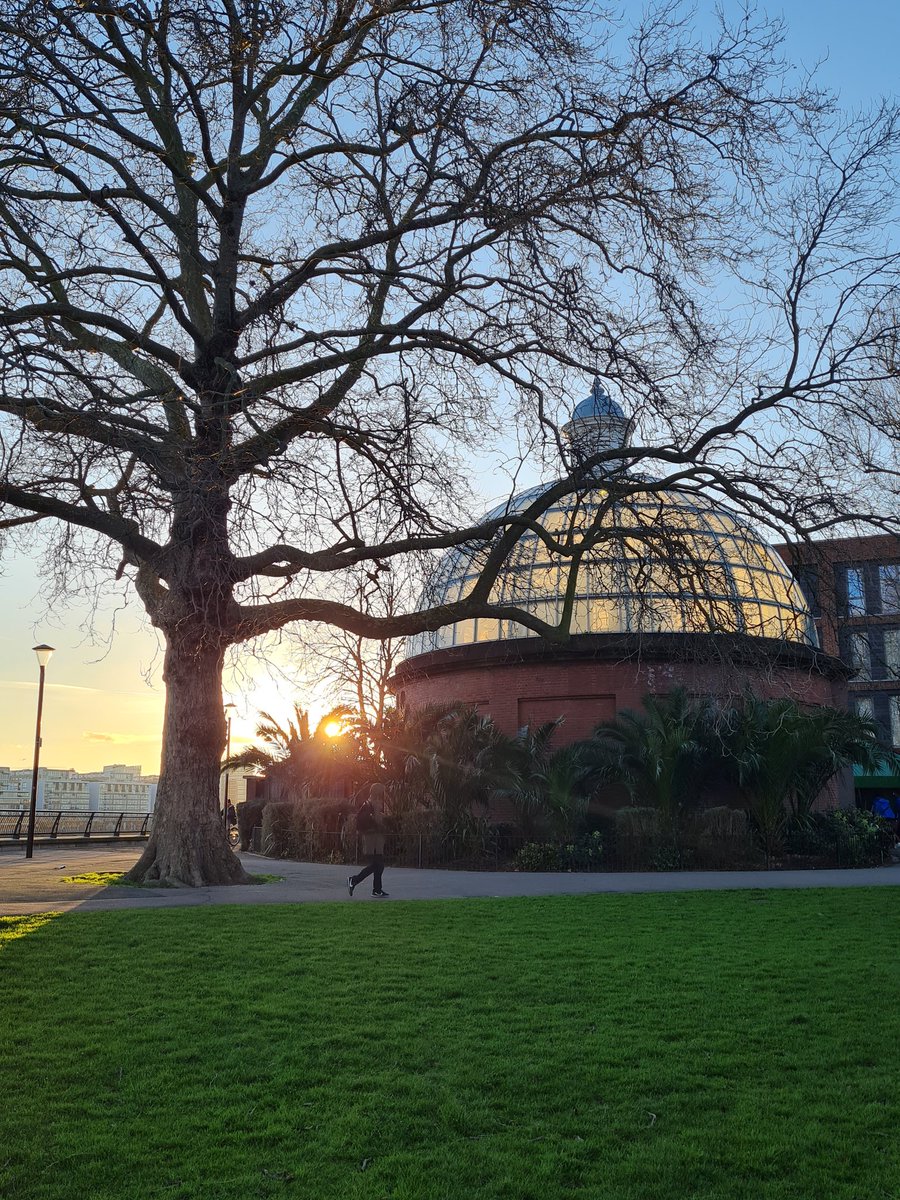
[547,787]
[445,757]
[357,670]
[782,756]
[833,740]
[301,763]
[664,755]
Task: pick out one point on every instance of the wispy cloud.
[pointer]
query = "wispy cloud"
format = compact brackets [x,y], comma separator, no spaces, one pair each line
[119,739]
[20,685]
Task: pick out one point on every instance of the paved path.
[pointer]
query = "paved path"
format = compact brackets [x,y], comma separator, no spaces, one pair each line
[36,886]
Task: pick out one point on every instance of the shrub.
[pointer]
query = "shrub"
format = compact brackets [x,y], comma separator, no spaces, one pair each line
[276,825]
[307,830]
[583,854]
[638,836]
[412,832]
[720,837]
[249,816]
[669,857]
[723,824]
[850,837]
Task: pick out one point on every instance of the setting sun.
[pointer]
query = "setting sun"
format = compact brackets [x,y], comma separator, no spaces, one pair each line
[333,729]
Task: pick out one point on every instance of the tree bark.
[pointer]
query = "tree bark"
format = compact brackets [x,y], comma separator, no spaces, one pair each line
[188,846]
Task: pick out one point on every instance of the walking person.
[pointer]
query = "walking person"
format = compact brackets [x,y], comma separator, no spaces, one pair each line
[370,826]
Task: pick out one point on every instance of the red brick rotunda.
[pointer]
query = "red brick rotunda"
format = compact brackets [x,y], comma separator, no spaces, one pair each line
[678,592]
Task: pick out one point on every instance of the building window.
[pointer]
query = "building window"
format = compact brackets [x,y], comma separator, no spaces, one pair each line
[860,658]
[864,706]
[892,653]
[889,585]
[808,578]
[856,592]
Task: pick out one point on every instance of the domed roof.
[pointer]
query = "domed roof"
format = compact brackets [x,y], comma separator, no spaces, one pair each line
[667,562]
[598,404]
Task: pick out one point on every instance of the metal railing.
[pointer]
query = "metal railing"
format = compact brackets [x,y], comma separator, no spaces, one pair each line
[74,825]
[311,845]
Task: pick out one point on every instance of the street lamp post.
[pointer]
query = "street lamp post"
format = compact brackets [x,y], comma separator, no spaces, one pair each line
[229,709]
[43,656]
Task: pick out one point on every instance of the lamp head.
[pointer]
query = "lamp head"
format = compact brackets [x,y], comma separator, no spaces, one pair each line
[43,654]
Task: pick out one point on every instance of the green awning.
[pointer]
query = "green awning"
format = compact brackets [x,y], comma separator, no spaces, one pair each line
[886,777]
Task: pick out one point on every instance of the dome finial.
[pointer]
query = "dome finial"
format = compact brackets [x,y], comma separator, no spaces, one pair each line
[598,423]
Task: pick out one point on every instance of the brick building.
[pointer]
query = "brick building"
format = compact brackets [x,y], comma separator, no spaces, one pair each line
[852,586]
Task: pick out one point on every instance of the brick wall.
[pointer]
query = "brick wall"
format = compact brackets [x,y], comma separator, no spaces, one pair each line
[586,692]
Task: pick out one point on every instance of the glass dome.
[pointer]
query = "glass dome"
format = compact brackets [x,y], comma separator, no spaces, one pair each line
[666,562]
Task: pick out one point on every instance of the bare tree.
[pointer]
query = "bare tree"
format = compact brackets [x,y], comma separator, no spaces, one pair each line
[272,272]
[357,670]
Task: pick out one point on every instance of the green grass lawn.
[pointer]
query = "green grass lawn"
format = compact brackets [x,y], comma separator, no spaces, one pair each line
[657,1047]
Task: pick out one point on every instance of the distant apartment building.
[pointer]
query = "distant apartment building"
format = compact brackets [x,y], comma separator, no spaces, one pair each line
[853,588]
[116,788]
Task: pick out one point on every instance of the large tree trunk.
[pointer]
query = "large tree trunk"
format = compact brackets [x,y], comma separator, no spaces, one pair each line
[188,846]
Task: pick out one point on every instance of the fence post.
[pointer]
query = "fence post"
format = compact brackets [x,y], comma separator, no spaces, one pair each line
[90,821]
[55,828]
[420,851]
[118,827]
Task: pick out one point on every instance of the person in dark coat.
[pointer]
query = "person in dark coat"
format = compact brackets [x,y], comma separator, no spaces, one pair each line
[370,827]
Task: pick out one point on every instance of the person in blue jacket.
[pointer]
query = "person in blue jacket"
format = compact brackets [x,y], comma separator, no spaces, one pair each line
[888,810]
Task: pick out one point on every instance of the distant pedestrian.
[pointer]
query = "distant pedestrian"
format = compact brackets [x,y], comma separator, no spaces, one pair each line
[888,810]
[370,827]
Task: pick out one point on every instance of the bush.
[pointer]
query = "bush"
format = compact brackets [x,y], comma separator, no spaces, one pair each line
[408,829]
[672,858]
[249,816]
[638,837]
[306,830]
[720,838]
[276,827]
[849,837]
[724,824]
[583,854]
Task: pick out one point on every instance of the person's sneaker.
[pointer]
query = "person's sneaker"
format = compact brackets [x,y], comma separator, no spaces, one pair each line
[350,884]
[381,895]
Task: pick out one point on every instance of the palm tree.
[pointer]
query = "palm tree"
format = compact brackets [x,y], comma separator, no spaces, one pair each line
[444,756]
[763,750]
[301,762]
[782,756]
[461,766]
[548,788]
[663,755]
[833,739]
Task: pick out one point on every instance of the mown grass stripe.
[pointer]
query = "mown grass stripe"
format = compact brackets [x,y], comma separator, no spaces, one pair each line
[720,1046]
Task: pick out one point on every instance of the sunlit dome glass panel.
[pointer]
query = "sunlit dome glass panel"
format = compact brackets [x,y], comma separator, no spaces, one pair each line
[666,563]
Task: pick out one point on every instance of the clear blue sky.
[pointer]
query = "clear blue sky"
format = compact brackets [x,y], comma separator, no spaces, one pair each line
[861,40]
[100,709]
